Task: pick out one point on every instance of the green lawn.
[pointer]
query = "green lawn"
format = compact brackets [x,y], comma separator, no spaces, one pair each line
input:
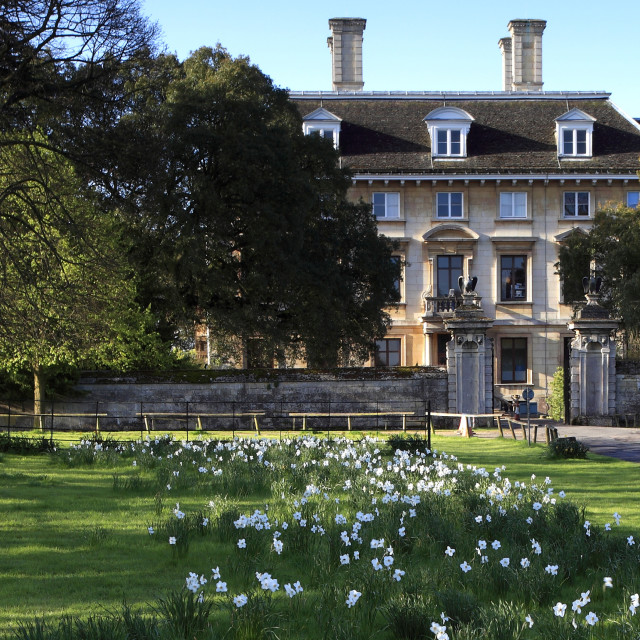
[75,537]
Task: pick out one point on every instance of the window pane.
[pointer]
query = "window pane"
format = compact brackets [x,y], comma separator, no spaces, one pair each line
[455,143]
[506,205]
[393,205]
[570,204]
[456,205]
[519,205]
[583,203]
[442,142]
[633,199]
[443,205]
[379,208]
[394,359]
[567,142]
[397,283]
[581,142]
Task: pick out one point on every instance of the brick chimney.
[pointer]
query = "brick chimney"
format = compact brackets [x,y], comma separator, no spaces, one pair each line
[345,44]
[522,56]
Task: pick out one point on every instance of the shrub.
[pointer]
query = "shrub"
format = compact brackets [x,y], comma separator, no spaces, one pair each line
[555,401]
[24,446]
[410,442]
[567,448]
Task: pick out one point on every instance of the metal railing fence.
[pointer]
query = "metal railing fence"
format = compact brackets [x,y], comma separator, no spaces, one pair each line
[199,417]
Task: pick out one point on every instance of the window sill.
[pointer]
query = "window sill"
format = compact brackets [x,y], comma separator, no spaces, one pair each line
[510,303]
[588,218]
[518,220]
[436,219]
[390,220]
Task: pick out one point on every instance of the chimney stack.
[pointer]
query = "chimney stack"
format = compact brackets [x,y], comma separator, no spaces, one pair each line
[345,44]
[522,56]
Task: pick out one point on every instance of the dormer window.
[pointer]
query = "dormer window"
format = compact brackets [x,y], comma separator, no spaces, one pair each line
[574,132]
[322,123]
[449,128]
[449,142]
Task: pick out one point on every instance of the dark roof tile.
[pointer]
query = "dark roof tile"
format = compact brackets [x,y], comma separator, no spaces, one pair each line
[388,135]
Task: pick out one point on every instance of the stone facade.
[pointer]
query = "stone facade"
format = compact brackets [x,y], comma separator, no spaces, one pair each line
[516,184]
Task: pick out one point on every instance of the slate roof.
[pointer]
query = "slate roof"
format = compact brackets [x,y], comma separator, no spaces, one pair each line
[386,134]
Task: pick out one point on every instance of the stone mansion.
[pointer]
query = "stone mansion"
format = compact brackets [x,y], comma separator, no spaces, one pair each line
[484,184]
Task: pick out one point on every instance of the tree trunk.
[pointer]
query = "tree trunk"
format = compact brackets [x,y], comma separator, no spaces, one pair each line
[39,383]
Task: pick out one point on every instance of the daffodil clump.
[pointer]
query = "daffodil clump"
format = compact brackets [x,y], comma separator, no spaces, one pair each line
[332,538]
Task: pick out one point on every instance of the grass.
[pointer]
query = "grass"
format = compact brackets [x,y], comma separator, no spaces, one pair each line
[75,539]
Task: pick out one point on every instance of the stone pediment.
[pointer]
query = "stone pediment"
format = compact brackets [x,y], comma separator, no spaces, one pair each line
[575,115]
[450,232]
[322,115]
[561,237]
[449,114]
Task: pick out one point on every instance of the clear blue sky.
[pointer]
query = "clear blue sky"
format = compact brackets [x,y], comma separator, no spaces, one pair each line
[417,45]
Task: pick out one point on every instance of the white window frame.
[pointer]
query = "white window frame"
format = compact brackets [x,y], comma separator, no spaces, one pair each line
[570,124]
[328,132]
[631,196]
[448,194]
[507,205]
[445,120]
[447,133]
[575,214]
[388,206]
[324,123]
[569,148]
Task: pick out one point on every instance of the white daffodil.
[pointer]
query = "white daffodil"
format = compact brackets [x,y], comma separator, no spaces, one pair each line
[591,618]
[240,600]
[353,597]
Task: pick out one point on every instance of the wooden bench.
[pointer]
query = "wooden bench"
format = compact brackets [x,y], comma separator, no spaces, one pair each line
[472,416]
[198,416]
[91,414]
[348,415]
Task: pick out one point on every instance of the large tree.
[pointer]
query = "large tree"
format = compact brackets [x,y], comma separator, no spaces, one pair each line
[62,70]
[246,220]
[613,244]
[66,289]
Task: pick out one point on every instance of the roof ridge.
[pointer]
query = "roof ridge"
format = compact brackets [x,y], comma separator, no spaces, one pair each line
[452,95]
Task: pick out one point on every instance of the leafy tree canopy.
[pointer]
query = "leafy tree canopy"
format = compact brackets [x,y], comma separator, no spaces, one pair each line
[614,244]
[242,221]
[67,293]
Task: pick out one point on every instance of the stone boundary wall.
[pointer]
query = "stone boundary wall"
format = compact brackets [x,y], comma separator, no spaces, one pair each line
[276,392]
[627,386]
